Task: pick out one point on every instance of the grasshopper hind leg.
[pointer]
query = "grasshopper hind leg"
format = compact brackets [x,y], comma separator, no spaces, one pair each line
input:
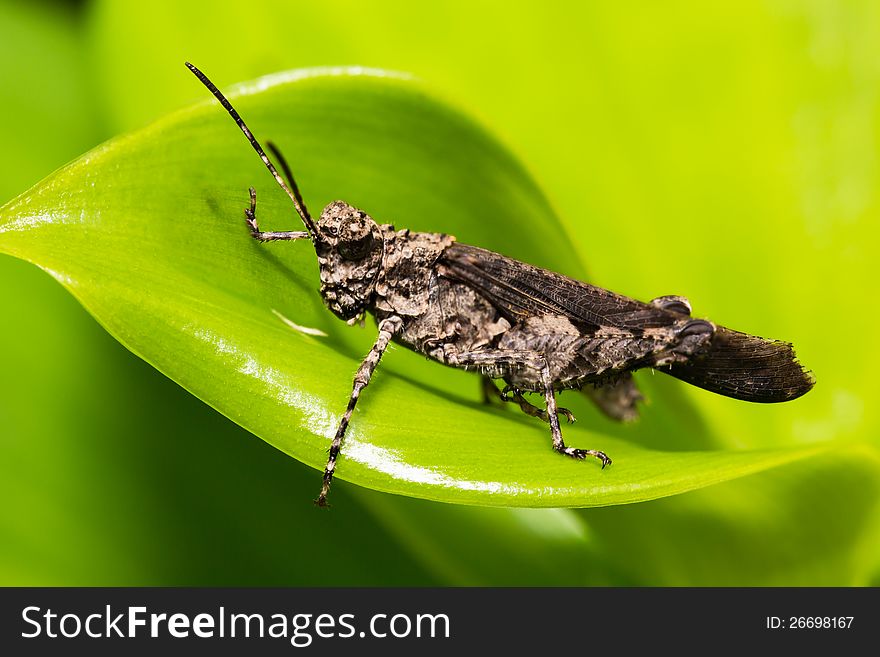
[556,432]
[490,392]
[500,359]
[509,394]
[617,399]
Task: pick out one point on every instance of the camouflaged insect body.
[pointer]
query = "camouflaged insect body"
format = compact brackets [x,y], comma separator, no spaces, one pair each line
[533,329]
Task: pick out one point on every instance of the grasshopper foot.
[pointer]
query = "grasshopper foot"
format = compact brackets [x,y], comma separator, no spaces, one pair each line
[569,416]
[581,454]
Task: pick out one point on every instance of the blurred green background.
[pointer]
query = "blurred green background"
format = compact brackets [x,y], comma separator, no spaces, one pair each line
[749,129]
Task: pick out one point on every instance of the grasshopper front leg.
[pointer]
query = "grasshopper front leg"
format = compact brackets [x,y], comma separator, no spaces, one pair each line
[250,215]
[387,328]
[498,361]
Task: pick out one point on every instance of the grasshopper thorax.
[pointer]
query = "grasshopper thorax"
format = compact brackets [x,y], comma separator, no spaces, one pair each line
[349,246]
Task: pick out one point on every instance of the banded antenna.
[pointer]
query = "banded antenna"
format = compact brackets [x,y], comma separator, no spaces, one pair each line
[294,195]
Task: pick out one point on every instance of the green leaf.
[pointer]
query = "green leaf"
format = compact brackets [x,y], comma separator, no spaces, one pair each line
[812,523]
[147,232]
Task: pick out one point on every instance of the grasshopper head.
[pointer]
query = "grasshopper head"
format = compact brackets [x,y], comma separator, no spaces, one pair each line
[349,246]
[348,243]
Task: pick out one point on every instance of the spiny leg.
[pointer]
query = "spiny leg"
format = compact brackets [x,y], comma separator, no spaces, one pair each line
[498,359]
[555,431]
[510,394]
[387,328]
[490,391]
[491,394]
[618,398]
[250,214]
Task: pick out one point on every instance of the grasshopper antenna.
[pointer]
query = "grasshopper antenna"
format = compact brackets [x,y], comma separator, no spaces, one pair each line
[287,174]
[294,195]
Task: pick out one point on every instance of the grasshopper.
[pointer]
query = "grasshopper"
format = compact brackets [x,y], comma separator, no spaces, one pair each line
[534,329]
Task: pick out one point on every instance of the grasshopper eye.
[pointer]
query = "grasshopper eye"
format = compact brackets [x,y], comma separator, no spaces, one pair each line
[358,248]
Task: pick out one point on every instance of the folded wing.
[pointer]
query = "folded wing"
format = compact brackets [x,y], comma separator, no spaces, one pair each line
[520,290]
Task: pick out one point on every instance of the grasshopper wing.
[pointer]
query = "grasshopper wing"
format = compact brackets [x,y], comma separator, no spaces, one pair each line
[520,290]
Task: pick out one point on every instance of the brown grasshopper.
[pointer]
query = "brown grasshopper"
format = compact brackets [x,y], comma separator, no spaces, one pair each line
[536,330]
